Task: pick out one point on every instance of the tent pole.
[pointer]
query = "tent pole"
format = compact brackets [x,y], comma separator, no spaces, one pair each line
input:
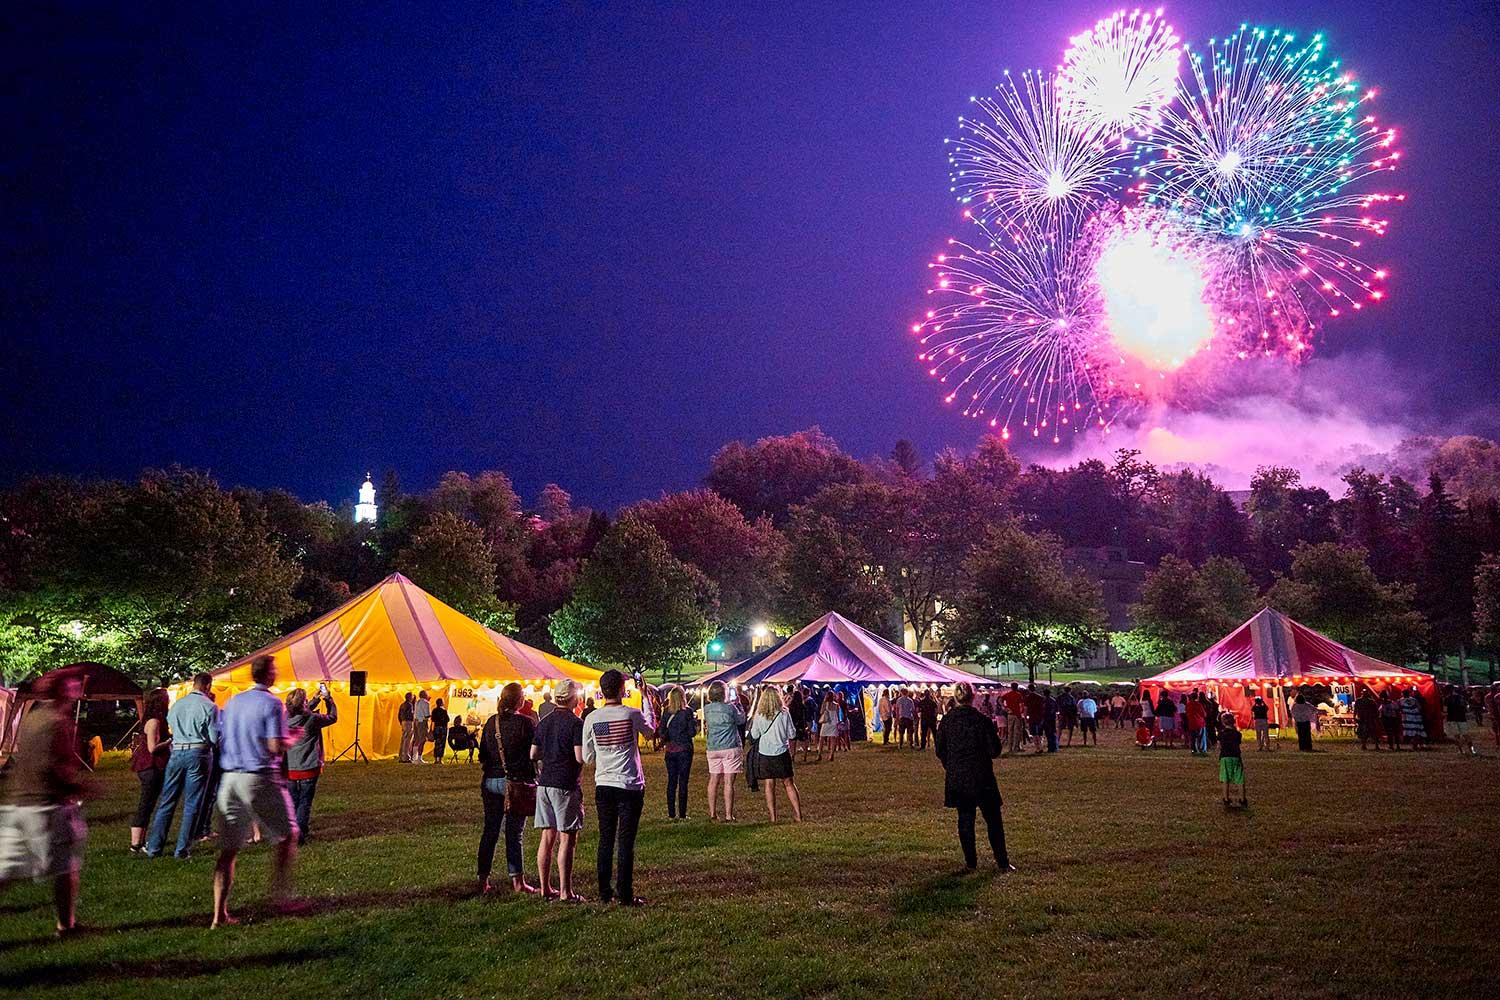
[122,739]
[77,712]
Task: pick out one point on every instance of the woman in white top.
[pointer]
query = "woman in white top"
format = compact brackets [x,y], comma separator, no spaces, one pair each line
[774,732]
[828,726]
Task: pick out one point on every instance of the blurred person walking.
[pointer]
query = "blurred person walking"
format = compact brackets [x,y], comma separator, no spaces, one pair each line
[252,793]
[42,831]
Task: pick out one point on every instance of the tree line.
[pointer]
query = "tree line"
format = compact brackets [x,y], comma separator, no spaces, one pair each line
[173,573]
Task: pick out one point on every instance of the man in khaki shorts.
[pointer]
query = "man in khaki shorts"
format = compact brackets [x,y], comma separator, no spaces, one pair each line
[41,824]
[252,792]
[558,747]
[1456,719]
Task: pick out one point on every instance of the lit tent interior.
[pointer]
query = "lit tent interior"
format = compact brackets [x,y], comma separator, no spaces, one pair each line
[1272,656]
[405,640]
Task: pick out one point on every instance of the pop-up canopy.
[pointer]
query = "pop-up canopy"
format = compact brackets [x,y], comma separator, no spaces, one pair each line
[100,683]
[405,640]
[834,650]
[1271,652]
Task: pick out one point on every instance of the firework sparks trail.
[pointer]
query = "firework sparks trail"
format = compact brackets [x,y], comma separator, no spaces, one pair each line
[1259,152]
[1017,160]
[1090,285]
[1015,331]
[1118,76]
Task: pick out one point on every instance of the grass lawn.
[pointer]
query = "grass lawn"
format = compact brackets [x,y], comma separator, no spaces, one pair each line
[1352,874]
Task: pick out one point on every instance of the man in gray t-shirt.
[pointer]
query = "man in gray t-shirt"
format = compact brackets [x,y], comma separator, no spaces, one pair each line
[906,717]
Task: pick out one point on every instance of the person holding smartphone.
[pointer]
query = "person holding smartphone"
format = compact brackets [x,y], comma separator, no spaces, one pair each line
[304,760]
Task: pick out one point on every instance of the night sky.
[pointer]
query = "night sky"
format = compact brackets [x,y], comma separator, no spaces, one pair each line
[580,244]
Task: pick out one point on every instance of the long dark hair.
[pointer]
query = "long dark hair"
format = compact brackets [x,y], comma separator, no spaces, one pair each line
[156,704]
[510,698]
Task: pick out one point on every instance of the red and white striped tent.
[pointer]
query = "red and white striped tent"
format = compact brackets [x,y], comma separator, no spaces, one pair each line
[1271,655]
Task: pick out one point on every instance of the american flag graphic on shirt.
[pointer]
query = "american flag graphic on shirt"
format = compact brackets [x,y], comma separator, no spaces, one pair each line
[616,733]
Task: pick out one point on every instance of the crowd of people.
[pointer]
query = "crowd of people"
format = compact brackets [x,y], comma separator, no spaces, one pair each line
[253,765]
[1034,717]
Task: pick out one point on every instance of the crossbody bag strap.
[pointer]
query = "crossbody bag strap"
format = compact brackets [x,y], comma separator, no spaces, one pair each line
[499,750]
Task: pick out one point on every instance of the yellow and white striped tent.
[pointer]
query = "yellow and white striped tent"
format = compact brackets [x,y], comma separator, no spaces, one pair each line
[405,640]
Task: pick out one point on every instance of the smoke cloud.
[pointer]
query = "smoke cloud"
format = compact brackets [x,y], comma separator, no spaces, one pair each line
[1324,418]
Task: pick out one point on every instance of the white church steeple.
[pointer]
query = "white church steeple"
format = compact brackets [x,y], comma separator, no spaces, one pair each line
[364,511]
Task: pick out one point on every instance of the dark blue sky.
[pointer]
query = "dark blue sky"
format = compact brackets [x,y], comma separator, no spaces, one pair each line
[575,243]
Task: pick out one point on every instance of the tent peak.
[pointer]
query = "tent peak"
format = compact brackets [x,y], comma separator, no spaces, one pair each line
[1272,645]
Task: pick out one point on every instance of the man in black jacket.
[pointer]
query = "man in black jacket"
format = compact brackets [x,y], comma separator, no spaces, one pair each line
[966,744]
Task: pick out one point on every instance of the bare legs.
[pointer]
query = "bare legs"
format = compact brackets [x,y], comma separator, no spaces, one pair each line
[715,782]
[282,856]
[65,899]
[223,883]
[545,846]
[558,843]
[569,840]
[791,794]
[281,869]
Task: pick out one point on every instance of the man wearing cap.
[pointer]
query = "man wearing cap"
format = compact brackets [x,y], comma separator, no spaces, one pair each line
[41,825]
[558,747]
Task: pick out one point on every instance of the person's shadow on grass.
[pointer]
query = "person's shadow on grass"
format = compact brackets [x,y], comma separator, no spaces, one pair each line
[941,895]
[170,969]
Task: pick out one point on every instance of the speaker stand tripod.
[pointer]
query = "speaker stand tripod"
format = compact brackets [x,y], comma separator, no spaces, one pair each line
[354,750]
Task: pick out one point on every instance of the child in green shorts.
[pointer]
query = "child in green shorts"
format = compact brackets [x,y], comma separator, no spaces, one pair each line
[1231,764]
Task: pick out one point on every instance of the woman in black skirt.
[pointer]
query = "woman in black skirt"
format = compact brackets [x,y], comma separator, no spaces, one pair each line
[966,744]
[774,733]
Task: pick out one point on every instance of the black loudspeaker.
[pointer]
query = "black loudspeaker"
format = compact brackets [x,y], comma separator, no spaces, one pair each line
[356,683]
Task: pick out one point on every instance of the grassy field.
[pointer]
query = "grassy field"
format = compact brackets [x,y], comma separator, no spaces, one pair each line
[1352,874]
